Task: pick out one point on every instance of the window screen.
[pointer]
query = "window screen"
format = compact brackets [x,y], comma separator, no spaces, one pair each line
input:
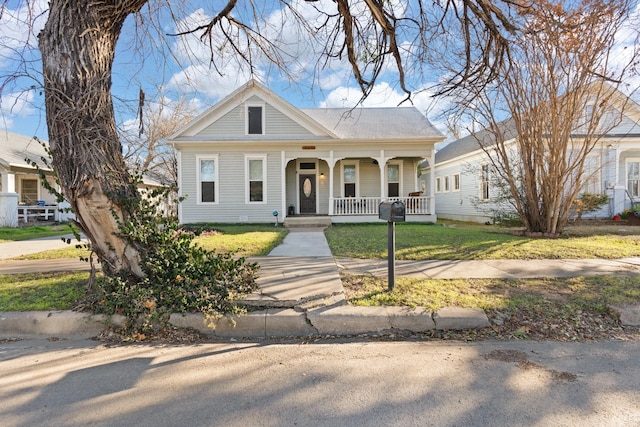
[255,120]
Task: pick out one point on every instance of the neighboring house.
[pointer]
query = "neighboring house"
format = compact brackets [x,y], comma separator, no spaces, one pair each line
[465,183]
[22,196]
[253,154]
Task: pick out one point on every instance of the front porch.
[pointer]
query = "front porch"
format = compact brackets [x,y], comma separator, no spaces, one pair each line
[351,189]
[363,209]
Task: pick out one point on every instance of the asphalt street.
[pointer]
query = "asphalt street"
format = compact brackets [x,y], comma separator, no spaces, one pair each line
[79,382]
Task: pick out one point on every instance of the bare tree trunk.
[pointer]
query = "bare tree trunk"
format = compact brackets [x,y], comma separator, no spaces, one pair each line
[78,46]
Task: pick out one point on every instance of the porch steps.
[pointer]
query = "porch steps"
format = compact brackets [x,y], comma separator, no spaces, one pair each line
[307,221]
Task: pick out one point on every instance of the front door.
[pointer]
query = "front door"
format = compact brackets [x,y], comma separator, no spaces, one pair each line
[308,194]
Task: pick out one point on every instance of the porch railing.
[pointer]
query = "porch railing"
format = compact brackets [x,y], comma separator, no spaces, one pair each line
[369,205]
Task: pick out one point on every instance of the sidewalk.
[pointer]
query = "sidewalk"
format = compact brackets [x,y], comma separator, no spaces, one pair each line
[301,292]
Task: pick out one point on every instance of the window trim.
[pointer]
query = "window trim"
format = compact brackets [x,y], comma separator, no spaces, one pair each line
[446,184]
[247,182]
[438,184]
[456,184]
[626,176]
[344,163]
[482,181]
[216,188]
[246,117]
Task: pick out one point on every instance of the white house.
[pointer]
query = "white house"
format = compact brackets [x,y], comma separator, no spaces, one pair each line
[465,189]
[253,154]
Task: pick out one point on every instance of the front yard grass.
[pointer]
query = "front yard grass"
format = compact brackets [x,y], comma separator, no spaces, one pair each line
[8,234]
[474,241]
[556,308]
[240,239]
[42,291]
[576,293]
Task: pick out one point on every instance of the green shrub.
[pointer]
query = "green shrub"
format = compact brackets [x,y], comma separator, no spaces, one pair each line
[179,276]
[587,203]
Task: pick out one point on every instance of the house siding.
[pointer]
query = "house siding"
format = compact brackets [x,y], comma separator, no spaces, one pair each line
[233,123]
[231,205]
[462,205]
[369,178]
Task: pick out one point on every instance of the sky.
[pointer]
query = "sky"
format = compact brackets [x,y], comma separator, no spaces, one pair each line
[172,68]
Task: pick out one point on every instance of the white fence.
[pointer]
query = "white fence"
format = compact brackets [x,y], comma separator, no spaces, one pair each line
[369,205]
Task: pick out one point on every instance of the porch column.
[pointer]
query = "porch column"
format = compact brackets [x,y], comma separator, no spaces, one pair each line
[331,162]
[382,162]
[432,183]
[8,200]
[283,183]
[8,182]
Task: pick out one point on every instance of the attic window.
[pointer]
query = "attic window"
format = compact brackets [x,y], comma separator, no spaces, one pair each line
[255,120]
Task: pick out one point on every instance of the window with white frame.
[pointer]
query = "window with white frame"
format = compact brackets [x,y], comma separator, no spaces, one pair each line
[349,179]
[633,177]
[255,119]
[438,185]
[456,181]
[255,172]
[208,179]
[484,182]
[394,174]
[446,183]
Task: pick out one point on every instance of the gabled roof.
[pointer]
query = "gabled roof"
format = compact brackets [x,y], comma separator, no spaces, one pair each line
[323,123]
[471,143]
[374,123]
[237,97]
[14,149]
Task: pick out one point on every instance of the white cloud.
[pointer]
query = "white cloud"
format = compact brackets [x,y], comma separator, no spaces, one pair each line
[203,80]
[382,95]
[19,28]
[17,103]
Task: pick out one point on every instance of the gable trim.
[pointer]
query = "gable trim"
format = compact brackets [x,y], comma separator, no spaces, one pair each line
[241,96]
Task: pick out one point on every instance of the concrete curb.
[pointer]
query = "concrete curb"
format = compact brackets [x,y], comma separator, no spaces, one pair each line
[333,320]
[55,322]
[277,322]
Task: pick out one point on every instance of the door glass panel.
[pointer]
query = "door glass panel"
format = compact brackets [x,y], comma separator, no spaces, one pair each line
[306,187]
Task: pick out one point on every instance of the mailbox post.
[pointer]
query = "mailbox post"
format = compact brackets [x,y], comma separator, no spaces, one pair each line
[391,212]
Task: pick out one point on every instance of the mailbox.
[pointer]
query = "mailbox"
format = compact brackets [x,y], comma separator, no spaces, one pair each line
[391,211]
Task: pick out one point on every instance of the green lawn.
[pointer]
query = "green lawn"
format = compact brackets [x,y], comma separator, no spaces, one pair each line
[413,241]
[241,239]
[32,232]
[471,241]
[593,293]
[41,291]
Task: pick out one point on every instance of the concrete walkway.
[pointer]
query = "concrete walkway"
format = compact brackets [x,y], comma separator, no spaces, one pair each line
[301,292]
[27,247]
